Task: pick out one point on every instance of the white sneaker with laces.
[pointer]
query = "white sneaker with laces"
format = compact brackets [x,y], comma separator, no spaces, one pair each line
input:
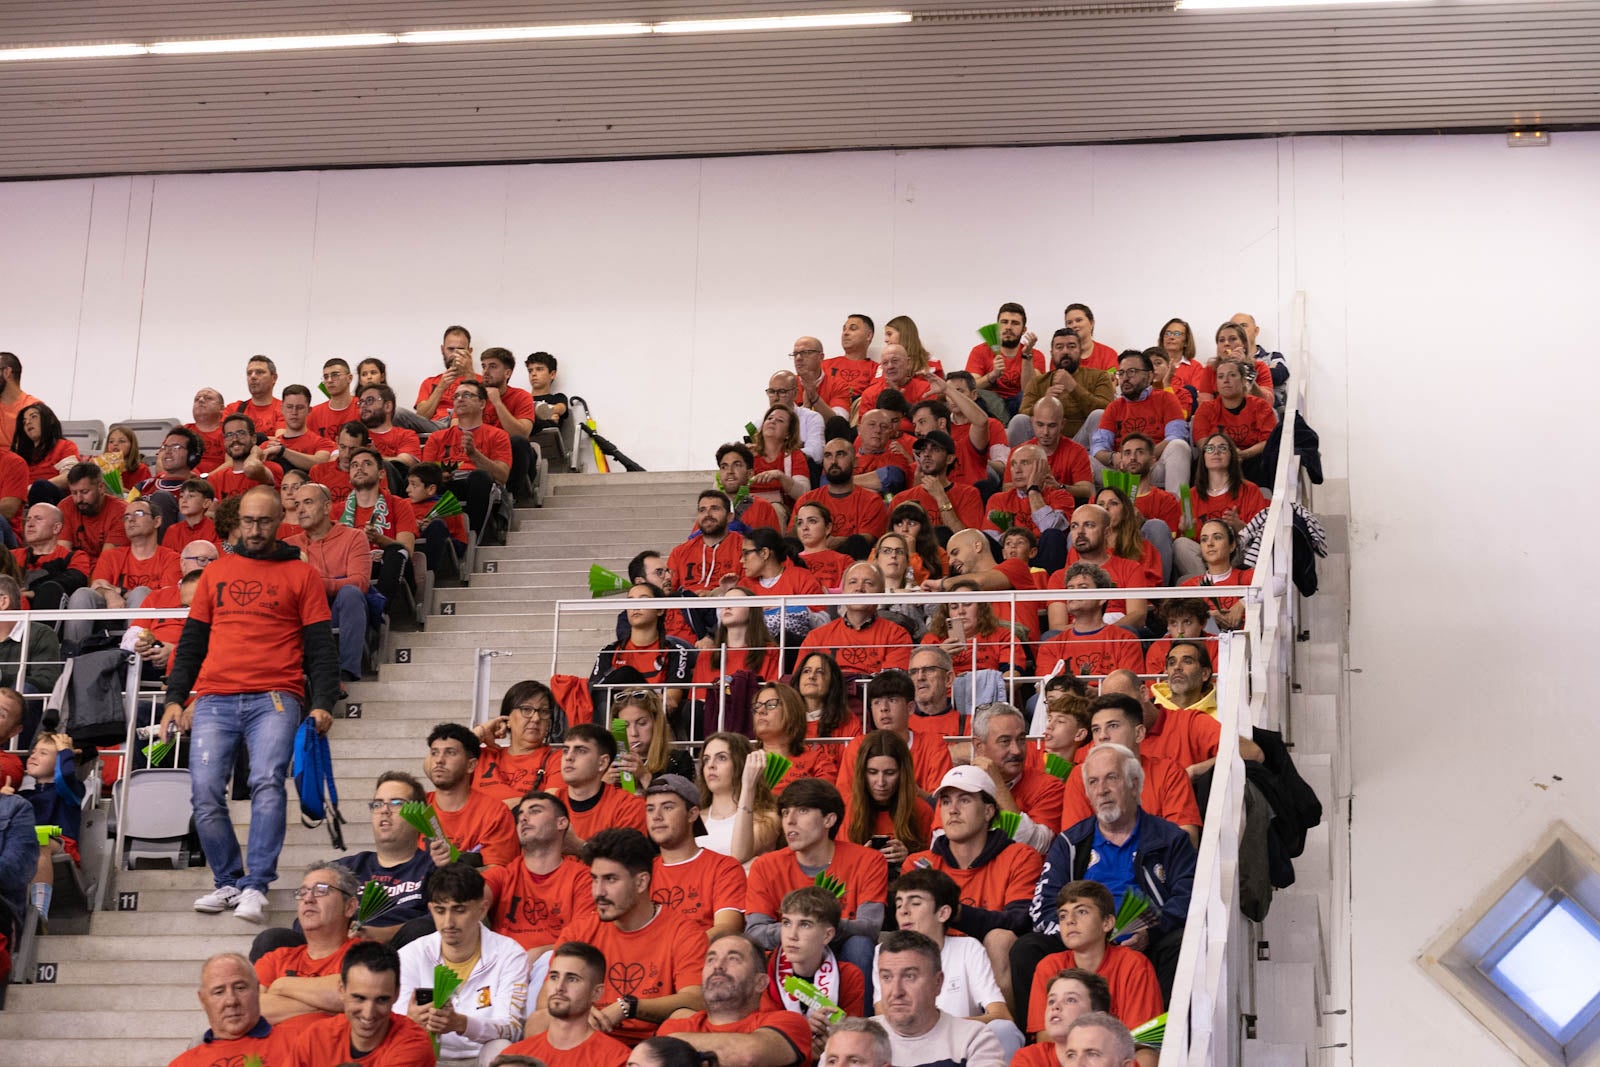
[218,900]
[252,906]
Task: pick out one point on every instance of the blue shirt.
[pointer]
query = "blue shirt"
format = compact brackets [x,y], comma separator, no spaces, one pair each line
[1112,865]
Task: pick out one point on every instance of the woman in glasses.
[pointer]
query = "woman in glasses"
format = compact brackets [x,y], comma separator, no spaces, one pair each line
[528,722]
[884,810]
[647,752]
[778,719]
[893,556]
[736,806]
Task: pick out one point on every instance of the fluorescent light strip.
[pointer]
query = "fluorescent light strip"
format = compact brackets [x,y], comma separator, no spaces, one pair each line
[785,22]
[72,51]
[524,33]
[1240,5]
[218,46]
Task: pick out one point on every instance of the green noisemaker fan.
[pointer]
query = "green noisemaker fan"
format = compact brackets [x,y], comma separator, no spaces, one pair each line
[602,581]
[1151,1033]
[1008,821]
[373,902]
[1133,914]
[990,334]
[447,506]
[445,983]
[156,752]
[619,733]
[1001,519]
[1186,496]
[777,767]
[425,821]
[1057,766]
[113,480]
[824,880]
[46,834]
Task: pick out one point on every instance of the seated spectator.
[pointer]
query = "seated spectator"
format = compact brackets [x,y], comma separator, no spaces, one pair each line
[844,378]
[1072,993]
[895,372]
[1184,619]
[664,949]
[443,534]
[325,418]
[781,475]
[487,1013]
[933,712]
[44,648]
[655,656]
[783,388]
[298,983]
[1218,545]
[1064,711]
[741,643]
[910,975]
[973,638]
[230,995]
[1131,536]
[1083,392]
[1118,719]
[809,923]
[294,443]
[549,406]
[884,810]
[648,751]
[372,1028]
[1080,320]
[778,719]
[859,517]
[1220,488]
[51,567]
[882,463]
[999,370]
[1000,750]
[735,462]
[289,487]
[892,556]
[732,1025]
[951,505]
[207,412]
[264,411]
[712,553]
[772,568]
[1035,503]
[821,685]
[701,885]
[341,557]
[1190,675]
[592,803]
[57,800]
[650,568]
[925,901]
[394,862]
[437,394]
[399,446]
[572,993]
[814,391]
[1068,460]
[1088,646]
[194,523]
[1097,1038]
[510,409]
[861,641]
[387,522]
[1019,543]
[335,474]
[156,640]
[122,455]
[225,516]
[1092,543]
[244,464]
[125,574]
[1234,344]
[889,700]
[812,811]
[1247,420]
[1143,410]
[11,722]
[471,821]
[928,558]
[1136,456]
[1122,847]
[535,897]
[181,451]
[857,1042]
[37,441]
[1187,736]
[1087,915]
[372,371]
[813,525]
[478,454]
[980,438]
[1177,345]
[736,807]
[12,397]
[527,762]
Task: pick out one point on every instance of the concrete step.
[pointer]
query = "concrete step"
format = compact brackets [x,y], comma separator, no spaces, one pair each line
[617,564]
[1318,666]
[185,974]
[157,924]
[1269,1054]
[138,1026]
[410,750]
[1286,1003]
[1313,723]
[578,531]
[566,483]
[140,996]
[154,1051]
[1294,933]
[603,548]
[203,938]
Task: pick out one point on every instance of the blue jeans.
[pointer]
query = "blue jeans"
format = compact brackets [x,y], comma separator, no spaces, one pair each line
[859,950]
[221,724]
[349,607]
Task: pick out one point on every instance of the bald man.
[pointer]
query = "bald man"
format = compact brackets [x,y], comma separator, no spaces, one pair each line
[894,373]
[818,391]
[1069,461]
[859,640]
[230,993]
[783,388]
[1037,502]
[1090,538]
[1274,360]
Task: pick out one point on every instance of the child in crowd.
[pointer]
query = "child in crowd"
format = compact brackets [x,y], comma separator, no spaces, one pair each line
[424,486]
[1186,619]
[810,921]
[549,406]
[57,799]
[1088,915]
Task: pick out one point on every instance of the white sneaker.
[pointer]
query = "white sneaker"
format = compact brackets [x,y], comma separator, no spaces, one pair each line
[218,900]
[252,906]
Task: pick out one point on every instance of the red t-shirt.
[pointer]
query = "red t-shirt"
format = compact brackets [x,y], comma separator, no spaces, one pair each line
[327,422]
[708,665]
[180,533]
[14,483]
[861,511]
[335,478]
[914,391]
[444,446]
[1248,500]
[76,559]
[1093,655]
[980,361]
[878,646]
[1100,357]
[972,464]
[1069,463]
[121,568]
[506,777]
[828,566]
[535,909]
[1125,573]
[213,454]
[757,513]
[1135,993]
[773,875]
[699,566]
[257,610]
[660,958]
[1160,504]
[1182,735]
[596,1050]
[295,962]
[616,807]
[167,631]
[792,464]
[90,534]
[397,440]
[328,1042]
[274,1050]
[1250,425]
[1167,792]
[1149,417]
[266,417]
[308,442]
[996,649]
[700,887]
[401,518]
[483,825]
[964,499]
[791,1024]
[229,482]
[1008,877]
[791,581]
[517,401]
[814,761]
[45,469]
[447,399]
[1039,793]
[867,462]
[1235,576]
[844,379]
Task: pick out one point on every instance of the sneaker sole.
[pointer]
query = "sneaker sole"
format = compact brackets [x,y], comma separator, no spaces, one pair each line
[217,909]
[258,918]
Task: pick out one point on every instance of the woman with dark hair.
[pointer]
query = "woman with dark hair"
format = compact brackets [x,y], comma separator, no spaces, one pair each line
[1218,544]
[771,569]
[883,810]
[529,722]
[820,683]
[961,628]
[39,444]
[669,1052]
[1247,419]
[1220,488]
[781,475]
[893,556]
[659,658]
[740,643]
[778,719]
[812,524]
[928,560]
[1130,532]
[740,816]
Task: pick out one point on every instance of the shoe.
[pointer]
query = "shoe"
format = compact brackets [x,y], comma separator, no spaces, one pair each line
[218,900]
[252,906]
[348,676]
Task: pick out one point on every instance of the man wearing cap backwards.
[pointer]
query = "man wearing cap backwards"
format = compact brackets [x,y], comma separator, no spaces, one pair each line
[702,886]
[950,505]
[995,874]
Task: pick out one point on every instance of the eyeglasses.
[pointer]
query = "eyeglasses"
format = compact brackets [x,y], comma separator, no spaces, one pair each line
[536,711]
[918,672]
[1134,373]
[238,435]
[321,889]
[176,446]
[632,694]
[768,705]
[376,806]
[805,352]
[1173,333]
[1217,450]
[749,551]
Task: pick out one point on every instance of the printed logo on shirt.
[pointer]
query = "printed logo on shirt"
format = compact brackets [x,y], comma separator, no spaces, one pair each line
[625,977]
[668,897]
[863,658]
[245,591]
[484,998]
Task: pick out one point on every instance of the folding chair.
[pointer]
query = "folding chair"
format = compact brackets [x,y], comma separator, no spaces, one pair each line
[88,434]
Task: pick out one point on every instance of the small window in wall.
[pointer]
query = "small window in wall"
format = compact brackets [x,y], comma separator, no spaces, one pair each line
[1525,958]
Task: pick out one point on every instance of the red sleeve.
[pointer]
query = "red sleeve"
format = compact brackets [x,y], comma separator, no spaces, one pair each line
[1266,419]
[898,655]
[852,990]
[1128,654]
[519,403]
[269,968]
[688,955]
[763,895]
[1078,468]
[313,601]
[1176,795]
[434,451]
[1074,801]
[499,844]
[499,448]
[792,1025]
[1136,999]
[1048,967]
[728,886]
[357,563]
[106,568]
[171,570]
[871,878]
[425,390]
[874,517]
[970,510]
[403,517]
[1017,572]
[14,477]
[1026,866]
[1251,501]
[980,360]
[1208,731]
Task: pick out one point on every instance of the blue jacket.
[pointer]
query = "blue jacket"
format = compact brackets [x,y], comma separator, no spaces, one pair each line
[19,856]
[1165,870]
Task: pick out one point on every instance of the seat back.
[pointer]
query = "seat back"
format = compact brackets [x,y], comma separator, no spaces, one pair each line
[150,433]
[88,434]
[155,821]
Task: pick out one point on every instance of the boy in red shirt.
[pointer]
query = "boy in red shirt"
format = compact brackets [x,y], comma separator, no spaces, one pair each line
[702,885]
[592,803]
[368,1030]
[809,924]
[194,501]
[1088,914]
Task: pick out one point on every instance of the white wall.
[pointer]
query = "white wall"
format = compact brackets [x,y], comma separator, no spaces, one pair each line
[1448,280]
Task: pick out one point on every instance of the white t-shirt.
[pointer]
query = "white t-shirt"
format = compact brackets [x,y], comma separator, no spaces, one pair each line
[969,985]
[951,1042]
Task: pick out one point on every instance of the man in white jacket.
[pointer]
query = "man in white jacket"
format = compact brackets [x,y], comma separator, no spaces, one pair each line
[486,1011]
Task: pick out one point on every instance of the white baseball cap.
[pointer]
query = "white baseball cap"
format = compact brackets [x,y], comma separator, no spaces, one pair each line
[968,779]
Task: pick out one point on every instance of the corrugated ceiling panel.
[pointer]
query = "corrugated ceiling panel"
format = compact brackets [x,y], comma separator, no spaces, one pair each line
[1022,81]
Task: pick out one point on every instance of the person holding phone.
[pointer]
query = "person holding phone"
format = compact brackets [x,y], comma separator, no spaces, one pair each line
[884,811]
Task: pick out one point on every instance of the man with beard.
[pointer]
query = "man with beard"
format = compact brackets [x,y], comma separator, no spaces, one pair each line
[733,1025]
[1162,512]
[400,447]
[861,641]
[910,976]
[230,994]
[1068,460]
[436,395]
[263,409]
[472,822]
[1090,538]
[94,522]
[335,474]
[125,574]
[701,885]
[859,517]
[655,954]
[387,520]
[342,560]
[895,373]
[1000,370]
[573,988]
[510,409]
[1082,391]
[369,1031]
[487,1010]
[479,454]
[734,461]
[699,565]
[534,899]
[245,466]
[258,626]
[207,414]
[1141,409]
[950,505]
[295,444]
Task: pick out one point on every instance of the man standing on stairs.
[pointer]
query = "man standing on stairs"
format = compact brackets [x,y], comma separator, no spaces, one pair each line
[258,626]
[230,994]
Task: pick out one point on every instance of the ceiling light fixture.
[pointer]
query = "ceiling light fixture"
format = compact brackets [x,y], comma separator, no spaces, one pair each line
[785,22]
[524,33]
[72,51]
[222,45]
[1227,5]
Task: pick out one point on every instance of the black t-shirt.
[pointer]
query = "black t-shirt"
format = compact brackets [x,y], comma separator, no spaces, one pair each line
[403,882]
[551,399]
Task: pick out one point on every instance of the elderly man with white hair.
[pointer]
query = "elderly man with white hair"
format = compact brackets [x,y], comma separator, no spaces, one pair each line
[1125,849]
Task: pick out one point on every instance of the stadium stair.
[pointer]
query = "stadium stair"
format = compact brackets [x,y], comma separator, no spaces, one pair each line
[124,995]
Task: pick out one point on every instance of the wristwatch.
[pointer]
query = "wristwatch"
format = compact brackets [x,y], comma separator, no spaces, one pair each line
[629,1006]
